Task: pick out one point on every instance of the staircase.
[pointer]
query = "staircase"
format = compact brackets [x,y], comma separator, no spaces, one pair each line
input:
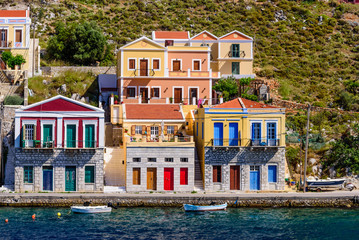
[198,184]
[3,77]
[115,170]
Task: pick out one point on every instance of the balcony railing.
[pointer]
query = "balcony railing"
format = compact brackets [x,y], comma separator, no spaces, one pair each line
[236,142]
[149,72]
[236,54]
[5,44]
[40,144]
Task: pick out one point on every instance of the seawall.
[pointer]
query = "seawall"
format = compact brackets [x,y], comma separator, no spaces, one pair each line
[174,200]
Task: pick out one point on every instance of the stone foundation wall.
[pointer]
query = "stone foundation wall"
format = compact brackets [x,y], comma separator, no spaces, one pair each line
[244,157]
[56,71]
[59,159]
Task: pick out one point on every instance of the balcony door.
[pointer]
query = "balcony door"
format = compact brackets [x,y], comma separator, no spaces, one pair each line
[144,95]
[143,67]
[271,134]
[3,38]
[218,134]
[71,136]
[193,93]
[177,95]
[47,135]
[233,134]
[256,134]
[90,136]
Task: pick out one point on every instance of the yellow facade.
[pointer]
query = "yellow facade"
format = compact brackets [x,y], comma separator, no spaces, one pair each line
[246,47]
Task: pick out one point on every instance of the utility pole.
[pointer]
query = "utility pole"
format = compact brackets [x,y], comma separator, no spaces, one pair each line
[306,150]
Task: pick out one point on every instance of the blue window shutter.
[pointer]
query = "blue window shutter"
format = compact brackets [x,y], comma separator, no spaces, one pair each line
[272,173]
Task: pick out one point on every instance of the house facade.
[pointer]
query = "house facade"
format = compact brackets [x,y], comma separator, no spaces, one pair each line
[59,146]
[15,37]
[159,154]
[241,146]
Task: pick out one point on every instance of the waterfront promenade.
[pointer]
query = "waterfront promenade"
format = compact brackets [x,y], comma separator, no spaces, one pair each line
[292,199]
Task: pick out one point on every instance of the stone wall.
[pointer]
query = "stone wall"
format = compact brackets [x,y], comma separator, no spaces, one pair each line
[160,153]
[244,157]
[59,159]
[55,71]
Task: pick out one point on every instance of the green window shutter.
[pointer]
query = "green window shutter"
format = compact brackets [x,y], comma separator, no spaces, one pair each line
[89,174]
[71,136]
[28,174]
[89,136]
[235,68]
[23,135]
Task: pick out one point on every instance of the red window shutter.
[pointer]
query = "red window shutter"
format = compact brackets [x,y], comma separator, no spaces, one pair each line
[132,64]
[215,174]
[133,130]
[184,176]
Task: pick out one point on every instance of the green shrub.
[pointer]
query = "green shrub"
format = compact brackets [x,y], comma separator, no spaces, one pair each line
[14,100]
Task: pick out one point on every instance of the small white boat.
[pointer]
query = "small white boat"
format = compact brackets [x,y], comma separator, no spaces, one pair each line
[196,208]
[91,209]
[319,184]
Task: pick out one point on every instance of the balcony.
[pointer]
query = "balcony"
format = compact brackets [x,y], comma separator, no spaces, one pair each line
[5,44]
[144,72]
[166,141]
[236,54]
[236,142]
[41,144]
[194,74]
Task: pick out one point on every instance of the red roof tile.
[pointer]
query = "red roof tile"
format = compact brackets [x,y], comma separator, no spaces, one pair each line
[171,35]
[153,111]
[13,13]
[235,103]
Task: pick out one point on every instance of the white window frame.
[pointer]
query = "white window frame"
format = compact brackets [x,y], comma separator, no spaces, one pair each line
[127,97]
[71,122]
[22,36]
[173,129]
[84,123]
[159,97]
[266,130]
[128,64]
[200,65]
[159,64]
[48,122]
[138,127]
[7,35]
[176,60]
[154,129]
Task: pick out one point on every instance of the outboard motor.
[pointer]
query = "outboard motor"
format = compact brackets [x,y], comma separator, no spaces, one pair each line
[111,205]
[350,186]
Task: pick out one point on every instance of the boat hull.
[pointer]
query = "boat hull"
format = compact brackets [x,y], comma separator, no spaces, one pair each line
[90,209]
[334,183]
[195,208]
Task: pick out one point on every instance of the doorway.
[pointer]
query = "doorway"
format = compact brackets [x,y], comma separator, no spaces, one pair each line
[235,178]
[193,93]
[168,179]
[254,178]
[144,95]
[47,178]
[151,178]
[143,67]
[177,95]
[70,179]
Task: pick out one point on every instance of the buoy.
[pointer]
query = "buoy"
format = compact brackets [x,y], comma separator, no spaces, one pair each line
[6,220]
[33,216]
[59,214]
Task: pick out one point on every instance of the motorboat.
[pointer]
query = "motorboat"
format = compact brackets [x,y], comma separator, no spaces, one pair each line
[197,208]
[319,184]
[91,209]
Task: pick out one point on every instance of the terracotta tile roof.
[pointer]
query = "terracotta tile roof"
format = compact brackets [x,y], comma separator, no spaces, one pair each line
[153,111]
[236,103]
[13,13]
[171,35]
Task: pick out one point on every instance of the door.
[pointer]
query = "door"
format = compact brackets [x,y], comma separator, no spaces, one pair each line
[193,94]
[70,179]
[177,95]
[47,178]
[235,178]
[71,136]
[89,136]
[143,67]
[151,178]
[218,134]
[176,65]
[47,135]
[168,179]
[144,95]
[18,38]
[233,134]
[272,134]
[254,178]
[256,134]
[4,38]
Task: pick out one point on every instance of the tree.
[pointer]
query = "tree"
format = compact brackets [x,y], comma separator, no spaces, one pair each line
[228,87]
[11,60]
[344,153]
[79,43]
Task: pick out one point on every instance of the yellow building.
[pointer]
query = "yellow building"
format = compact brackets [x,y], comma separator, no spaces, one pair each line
[241,146]
[15,37]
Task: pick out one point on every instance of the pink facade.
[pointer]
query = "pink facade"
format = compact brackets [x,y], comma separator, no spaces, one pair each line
[187,59]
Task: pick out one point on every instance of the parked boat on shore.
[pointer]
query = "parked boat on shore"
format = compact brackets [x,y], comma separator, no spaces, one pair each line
[196,208]
[91,209]
[320,184]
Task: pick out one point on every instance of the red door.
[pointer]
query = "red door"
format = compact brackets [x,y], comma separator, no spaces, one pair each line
[168,179]
[184,176]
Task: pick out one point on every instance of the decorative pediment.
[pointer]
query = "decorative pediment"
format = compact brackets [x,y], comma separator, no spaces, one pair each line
[205,35]
[235,35]
[143,43]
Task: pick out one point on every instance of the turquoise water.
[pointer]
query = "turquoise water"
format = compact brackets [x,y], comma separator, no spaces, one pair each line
[173,223]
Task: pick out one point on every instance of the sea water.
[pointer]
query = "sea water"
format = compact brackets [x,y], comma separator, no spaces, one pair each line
[174,223]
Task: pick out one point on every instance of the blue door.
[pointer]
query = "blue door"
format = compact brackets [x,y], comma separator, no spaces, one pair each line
[254,178]
[233,134]
[218,134]
[271,134]
[47,178]
[256,134]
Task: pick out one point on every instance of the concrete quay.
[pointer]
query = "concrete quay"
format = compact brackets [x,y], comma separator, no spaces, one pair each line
[343,199]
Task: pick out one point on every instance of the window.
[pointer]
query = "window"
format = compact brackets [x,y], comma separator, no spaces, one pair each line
[136,159]
[71,136]
[254,168]
[154,131]
[168,43]
[89,174]
[3,38]
[131,92]
[235,50]
[235,68]
[29,135]
[217,174]
[156,64]
[196,65]
[136,176]
[176,65]
[170,129]
[183,159]
[131,64]
[155,92]
[151,159]
[168,159]
[183,176]
[271,134]
[28,174]
[89,136]
[47,135]
[18,38]
[138,129]
[256,134]
[29,131]
[272,173]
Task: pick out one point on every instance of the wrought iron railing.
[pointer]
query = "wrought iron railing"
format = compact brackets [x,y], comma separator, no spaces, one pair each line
[5,44]
[41,144]
[236,142]
[237,54]
[149,72]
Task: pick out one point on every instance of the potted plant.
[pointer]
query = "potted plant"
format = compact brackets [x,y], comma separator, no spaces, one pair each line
[116,99]
[171,99]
